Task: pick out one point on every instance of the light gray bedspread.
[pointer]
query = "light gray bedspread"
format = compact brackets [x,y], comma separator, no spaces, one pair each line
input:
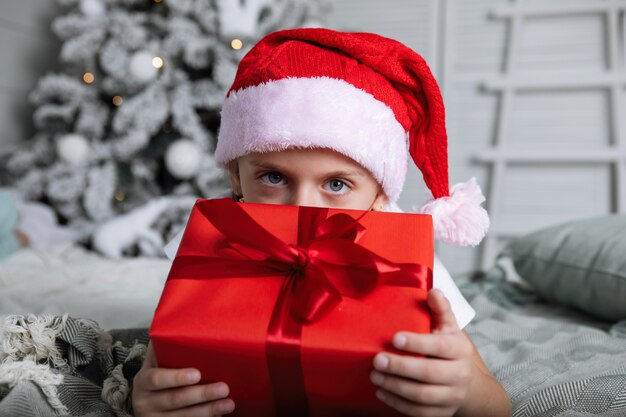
[552,361]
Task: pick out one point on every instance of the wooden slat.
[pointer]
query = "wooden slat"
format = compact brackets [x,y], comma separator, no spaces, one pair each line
[565,156]
[557,81]
[568,8]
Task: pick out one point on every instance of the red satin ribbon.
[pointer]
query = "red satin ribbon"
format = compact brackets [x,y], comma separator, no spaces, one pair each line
[326,264]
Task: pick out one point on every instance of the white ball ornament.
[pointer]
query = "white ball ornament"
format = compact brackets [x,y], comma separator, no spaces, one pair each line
[182,159]
[141,66]
[92,8]
[73,149]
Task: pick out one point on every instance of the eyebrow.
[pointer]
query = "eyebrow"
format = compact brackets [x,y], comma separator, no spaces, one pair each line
[346,173]
[338,173]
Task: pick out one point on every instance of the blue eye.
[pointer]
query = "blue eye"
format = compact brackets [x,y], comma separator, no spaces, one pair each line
[337,187]
[273,178]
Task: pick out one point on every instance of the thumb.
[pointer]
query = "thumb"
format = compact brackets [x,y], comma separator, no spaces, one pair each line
[150,359]
[442,316]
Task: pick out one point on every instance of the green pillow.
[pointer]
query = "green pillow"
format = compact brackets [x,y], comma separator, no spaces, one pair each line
[579,264]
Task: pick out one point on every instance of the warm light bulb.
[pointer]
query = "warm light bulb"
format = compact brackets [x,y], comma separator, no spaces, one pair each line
[157,62]
[119,196]
[88,77]
[117,100]
[158,1]
[236,44]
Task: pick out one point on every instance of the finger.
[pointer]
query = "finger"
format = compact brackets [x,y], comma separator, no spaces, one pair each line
[445,346]
[150,358]
[217,408]
[443,318]
[428,370]
[155,379]
[417,392]
[411,409]
[176,398]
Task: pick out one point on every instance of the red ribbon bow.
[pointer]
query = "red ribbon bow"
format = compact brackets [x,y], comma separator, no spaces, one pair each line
[327,263]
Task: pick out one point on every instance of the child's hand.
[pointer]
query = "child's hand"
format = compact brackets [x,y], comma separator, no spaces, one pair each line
[437,385]
[172,392]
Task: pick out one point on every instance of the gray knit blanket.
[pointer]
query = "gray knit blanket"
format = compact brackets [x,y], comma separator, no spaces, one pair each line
[552,361]
[58,365]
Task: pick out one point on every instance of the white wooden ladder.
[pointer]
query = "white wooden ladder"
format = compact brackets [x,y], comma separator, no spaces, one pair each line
[613,79]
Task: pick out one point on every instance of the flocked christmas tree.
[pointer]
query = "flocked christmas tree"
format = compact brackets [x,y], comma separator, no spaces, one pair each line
[135,113]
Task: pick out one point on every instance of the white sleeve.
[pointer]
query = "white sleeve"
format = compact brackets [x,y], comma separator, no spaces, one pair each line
[442,280]
[172,246]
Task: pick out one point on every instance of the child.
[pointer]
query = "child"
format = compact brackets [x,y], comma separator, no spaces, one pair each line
[323,118]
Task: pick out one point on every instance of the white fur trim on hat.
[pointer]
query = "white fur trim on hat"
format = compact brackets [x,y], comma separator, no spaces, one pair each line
[459,219]
[318,112]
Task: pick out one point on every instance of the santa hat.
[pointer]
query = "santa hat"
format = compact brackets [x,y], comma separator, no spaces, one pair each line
[363,95]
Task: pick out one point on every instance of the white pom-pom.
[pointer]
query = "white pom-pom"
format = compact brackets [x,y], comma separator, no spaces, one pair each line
[183,158]
[459,219]
[73,149]
[141,66]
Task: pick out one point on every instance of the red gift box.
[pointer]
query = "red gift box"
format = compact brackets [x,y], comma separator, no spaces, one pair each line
[288,305]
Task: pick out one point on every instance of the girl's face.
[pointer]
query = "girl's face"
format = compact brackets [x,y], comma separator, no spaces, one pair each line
[306,177]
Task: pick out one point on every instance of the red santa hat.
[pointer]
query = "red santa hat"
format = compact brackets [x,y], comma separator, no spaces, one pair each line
[363,95]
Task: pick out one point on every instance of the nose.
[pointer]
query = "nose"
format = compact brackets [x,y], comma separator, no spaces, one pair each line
[304,195]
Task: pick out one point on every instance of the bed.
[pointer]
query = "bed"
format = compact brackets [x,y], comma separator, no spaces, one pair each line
[70,279]
[555,356]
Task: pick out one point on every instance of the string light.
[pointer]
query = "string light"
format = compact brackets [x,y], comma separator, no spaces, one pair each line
[119,196]
[117,100]
[236,44]
[88,77]
[157,62]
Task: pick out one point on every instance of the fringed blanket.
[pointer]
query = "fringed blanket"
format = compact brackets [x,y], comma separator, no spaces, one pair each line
[58,365]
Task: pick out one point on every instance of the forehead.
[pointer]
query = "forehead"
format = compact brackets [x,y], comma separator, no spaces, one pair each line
[326,158]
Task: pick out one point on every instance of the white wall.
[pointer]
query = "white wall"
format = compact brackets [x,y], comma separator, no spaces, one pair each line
[28,49]
[571,49]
